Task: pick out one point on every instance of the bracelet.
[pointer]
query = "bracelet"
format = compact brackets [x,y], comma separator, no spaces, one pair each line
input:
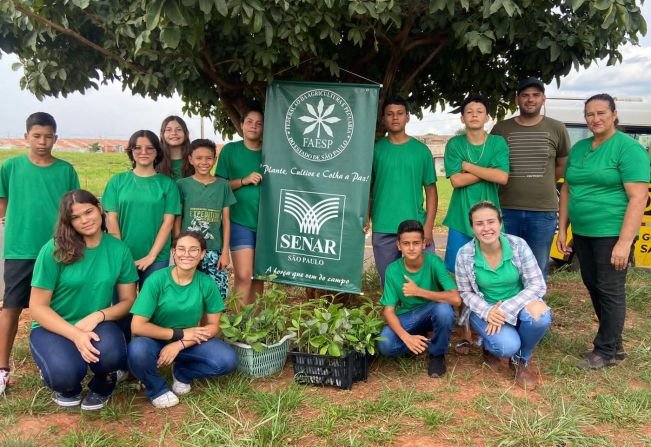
[182,344]
[177,334]
[241,182]
[103,316]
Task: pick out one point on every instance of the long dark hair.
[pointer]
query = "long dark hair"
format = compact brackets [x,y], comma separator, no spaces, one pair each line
[165,166]
[153,139]
[68,244]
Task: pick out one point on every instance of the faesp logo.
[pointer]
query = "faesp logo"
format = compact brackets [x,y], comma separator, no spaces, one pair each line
[319,125]
[310,224]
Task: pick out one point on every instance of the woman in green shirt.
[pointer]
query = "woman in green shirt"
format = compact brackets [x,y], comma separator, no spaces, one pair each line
[604,196]
[167,323]
[74,321]
[175,143]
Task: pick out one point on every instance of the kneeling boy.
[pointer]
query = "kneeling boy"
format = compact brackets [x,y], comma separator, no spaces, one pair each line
[418,298]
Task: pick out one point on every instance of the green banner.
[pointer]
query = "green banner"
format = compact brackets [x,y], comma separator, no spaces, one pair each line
[317,158]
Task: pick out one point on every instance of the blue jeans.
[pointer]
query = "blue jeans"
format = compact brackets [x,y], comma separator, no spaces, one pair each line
[437,317]
[385,251]
[63,368]
[537,228]
[211,358]
[456,240]
[516,342]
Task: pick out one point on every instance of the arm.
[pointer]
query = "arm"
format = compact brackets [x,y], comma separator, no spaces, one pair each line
[637,193]
[410,288]
[560,167]
[461,179]
[431,205]
[415,343]
[3,209]
[563,220]
[113,224]
[252,179]
[367,224]
[160,241]
[224,259]
[126,295]
[177,226]
[492,175]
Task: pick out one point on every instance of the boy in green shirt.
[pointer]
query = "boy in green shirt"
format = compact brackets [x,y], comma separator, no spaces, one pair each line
[418,298]
[31,187]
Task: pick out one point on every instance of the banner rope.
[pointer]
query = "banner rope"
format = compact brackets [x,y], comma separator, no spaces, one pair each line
[340,68]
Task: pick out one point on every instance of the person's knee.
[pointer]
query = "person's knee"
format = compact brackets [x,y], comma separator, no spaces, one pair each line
[503,346]
[228,361]
[386,346]
[140,352]
[221,360]
[537,309]
[443,315]
[11,316]
[63,375]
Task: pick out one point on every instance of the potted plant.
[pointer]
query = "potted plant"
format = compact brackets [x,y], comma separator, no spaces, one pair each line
[333,342]
[259,332]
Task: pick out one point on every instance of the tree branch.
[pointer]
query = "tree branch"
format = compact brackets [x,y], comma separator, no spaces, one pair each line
[406,86]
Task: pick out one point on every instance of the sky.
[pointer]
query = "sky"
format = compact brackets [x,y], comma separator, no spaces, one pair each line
[111,112]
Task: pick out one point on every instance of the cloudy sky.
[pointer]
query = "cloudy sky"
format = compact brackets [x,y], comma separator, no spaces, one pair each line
[112,113]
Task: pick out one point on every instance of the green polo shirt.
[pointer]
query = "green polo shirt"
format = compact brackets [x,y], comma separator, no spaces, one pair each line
[431,276]
[501,283]
[177,169]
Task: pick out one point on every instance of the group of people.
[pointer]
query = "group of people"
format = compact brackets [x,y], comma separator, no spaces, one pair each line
[105,295]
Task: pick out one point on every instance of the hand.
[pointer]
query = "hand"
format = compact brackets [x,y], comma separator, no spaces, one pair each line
[2,220]
[143,263]
[89,322]
[416,343]
[367,225]
[410,288]
[196,334]
[168,354]
[224,260]
[493,329]
[496,316]
[429,236]
[252,179]
[620,255]
[561,243]
[88,352]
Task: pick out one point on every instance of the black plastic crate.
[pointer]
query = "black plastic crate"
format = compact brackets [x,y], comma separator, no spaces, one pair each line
[340,372]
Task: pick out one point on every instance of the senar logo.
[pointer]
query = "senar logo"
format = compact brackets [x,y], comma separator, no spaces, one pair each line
[310,224]
[319,125]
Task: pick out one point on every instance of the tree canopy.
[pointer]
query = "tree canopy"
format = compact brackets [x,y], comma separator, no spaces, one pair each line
[219,54]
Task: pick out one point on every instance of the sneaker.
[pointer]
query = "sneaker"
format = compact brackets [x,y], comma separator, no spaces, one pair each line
[63,401]
[595,361]
[619,355]
[94,401]
[523,377]
[165,400]
[436,366]
[4,380]
[180,388]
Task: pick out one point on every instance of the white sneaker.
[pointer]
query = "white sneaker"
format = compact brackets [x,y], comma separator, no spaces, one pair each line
[4,380]
[166,400]
[180,388]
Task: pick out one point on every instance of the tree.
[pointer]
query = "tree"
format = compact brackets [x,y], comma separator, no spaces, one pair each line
[219,54]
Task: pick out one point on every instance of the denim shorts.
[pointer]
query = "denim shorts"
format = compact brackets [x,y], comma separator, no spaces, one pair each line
[241,237]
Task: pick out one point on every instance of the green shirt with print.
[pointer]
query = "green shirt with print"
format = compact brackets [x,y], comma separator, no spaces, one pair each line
[33,194]
[170,305]
[494,153]
[400,171]
[236,161]
[141,203]
[85,286]
[432,276]
[596,178]
[202,207]
[500,283]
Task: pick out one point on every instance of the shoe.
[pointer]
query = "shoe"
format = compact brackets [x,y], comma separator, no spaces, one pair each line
[619,355]
[436,366]
[523,377]
[595,361]
[4,380]
[63,401]
[165,400]
[94,401]
[180,388]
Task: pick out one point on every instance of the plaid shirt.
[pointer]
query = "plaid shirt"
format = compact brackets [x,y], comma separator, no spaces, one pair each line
[524,261]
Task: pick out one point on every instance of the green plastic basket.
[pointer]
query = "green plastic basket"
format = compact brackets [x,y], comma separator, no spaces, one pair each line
[261,364]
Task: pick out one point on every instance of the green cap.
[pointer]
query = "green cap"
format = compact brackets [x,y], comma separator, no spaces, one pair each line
[530,82]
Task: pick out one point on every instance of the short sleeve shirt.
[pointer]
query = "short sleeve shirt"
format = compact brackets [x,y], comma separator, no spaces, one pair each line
[494,153]
[170,305]
[400,171]
[202,208]
[141,203]
[432,276]
[533,151]
[500,283]
[177,169]
[596,178]
[33,194]
[85,286]
[236,161]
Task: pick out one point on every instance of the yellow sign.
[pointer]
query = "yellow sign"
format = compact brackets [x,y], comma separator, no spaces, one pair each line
[643,248]
[647,210]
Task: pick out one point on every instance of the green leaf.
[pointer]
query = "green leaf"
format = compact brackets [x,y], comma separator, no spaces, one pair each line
[257,22]
[205,6]
[258,347]
[83,4]
[222,7]
[171,37]
[16,66]
[268,32]
[42,81]
[323,350]
[576,4]
[174,12]
[152,16]
[485,45]
[602,5]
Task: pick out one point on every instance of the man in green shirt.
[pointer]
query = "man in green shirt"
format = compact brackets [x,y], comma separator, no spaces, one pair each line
[402,166]
[31,187]
[418,298]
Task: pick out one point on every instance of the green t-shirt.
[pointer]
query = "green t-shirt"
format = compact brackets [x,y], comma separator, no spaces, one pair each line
[33,194]
[432,276]
[533,151]
[172,306]
[502,283]
[141,203]
[400,171]
[596,180]
[85,286]
[236,161]
[202,208]
[177,169]
[493,154]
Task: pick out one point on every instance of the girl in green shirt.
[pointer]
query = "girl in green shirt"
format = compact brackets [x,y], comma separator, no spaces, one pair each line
[167,323]
[74,321]
[175,143]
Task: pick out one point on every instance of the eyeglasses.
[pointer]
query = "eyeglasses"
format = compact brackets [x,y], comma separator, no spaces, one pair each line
[192,251]
[147,150]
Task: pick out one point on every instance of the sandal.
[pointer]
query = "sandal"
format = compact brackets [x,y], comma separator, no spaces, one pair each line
[463,347]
